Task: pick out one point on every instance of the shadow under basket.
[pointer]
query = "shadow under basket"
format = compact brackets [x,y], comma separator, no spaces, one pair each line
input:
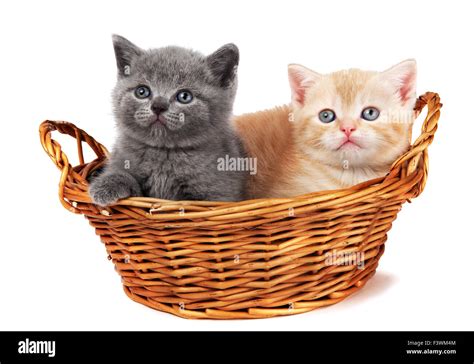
[249,259]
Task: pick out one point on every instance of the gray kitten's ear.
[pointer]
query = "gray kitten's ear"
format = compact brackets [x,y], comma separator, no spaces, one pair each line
[223,64]
[125,52]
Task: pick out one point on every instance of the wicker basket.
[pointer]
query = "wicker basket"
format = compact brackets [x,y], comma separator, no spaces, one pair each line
[249,259]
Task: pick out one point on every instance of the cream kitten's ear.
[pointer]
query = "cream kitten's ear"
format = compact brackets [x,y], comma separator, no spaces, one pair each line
[301,78]
[403,77]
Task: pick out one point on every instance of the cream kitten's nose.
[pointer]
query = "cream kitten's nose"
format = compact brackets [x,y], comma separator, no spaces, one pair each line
[347,129]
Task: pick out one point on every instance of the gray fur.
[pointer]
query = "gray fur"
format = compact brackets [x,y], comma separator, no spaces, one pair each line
[177,158]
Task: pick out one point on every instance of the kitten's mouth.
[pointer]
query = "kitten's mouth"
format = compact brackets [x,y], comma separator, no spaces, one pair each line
[160,119]
[348,144]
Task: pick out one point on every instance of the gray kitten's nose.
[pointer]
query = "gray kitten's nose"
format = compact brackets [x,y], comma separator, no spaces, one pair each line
[159,105]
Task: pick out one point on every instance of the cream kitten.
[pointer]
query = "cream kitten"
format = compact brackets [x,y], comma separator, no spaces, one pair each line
[341,129]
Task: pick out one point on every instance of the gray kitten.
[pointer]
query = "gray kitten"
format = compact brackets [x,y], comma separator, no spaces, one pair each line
[172,108]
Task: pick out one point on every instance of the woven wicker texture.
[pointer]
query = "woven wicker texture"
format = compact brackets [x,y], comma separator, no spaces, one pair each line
[249,259]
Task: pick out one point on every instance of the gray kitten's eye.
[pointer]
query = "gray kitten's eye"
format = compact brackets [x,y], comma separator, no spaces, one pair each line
[370,113]
[327,116]
[184,96]
[142,92]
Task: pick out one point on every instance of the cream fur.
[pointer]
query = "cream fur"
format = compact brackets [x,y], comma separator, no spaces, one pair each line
[297,153]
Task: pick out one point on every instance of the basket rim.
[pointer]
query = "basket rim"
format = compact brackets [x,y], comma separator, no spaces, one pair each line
[409,169]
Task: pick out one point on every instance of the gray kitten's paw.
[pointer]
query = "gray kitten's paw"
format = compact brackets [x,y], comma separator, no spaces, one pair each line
[104,191]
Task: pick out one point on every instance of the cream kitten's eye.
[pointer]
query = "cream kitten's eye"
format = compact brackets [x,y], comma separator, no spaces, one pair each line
[370,113]
[142,92]
[327,116]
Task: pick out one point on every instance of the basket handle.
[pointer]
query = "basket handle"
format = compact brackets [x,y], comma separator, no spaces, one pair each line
[59,158]
[428,130]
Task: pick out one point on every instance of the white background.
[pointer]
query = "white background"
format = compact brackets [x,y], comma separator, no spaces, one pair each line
[57,62]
